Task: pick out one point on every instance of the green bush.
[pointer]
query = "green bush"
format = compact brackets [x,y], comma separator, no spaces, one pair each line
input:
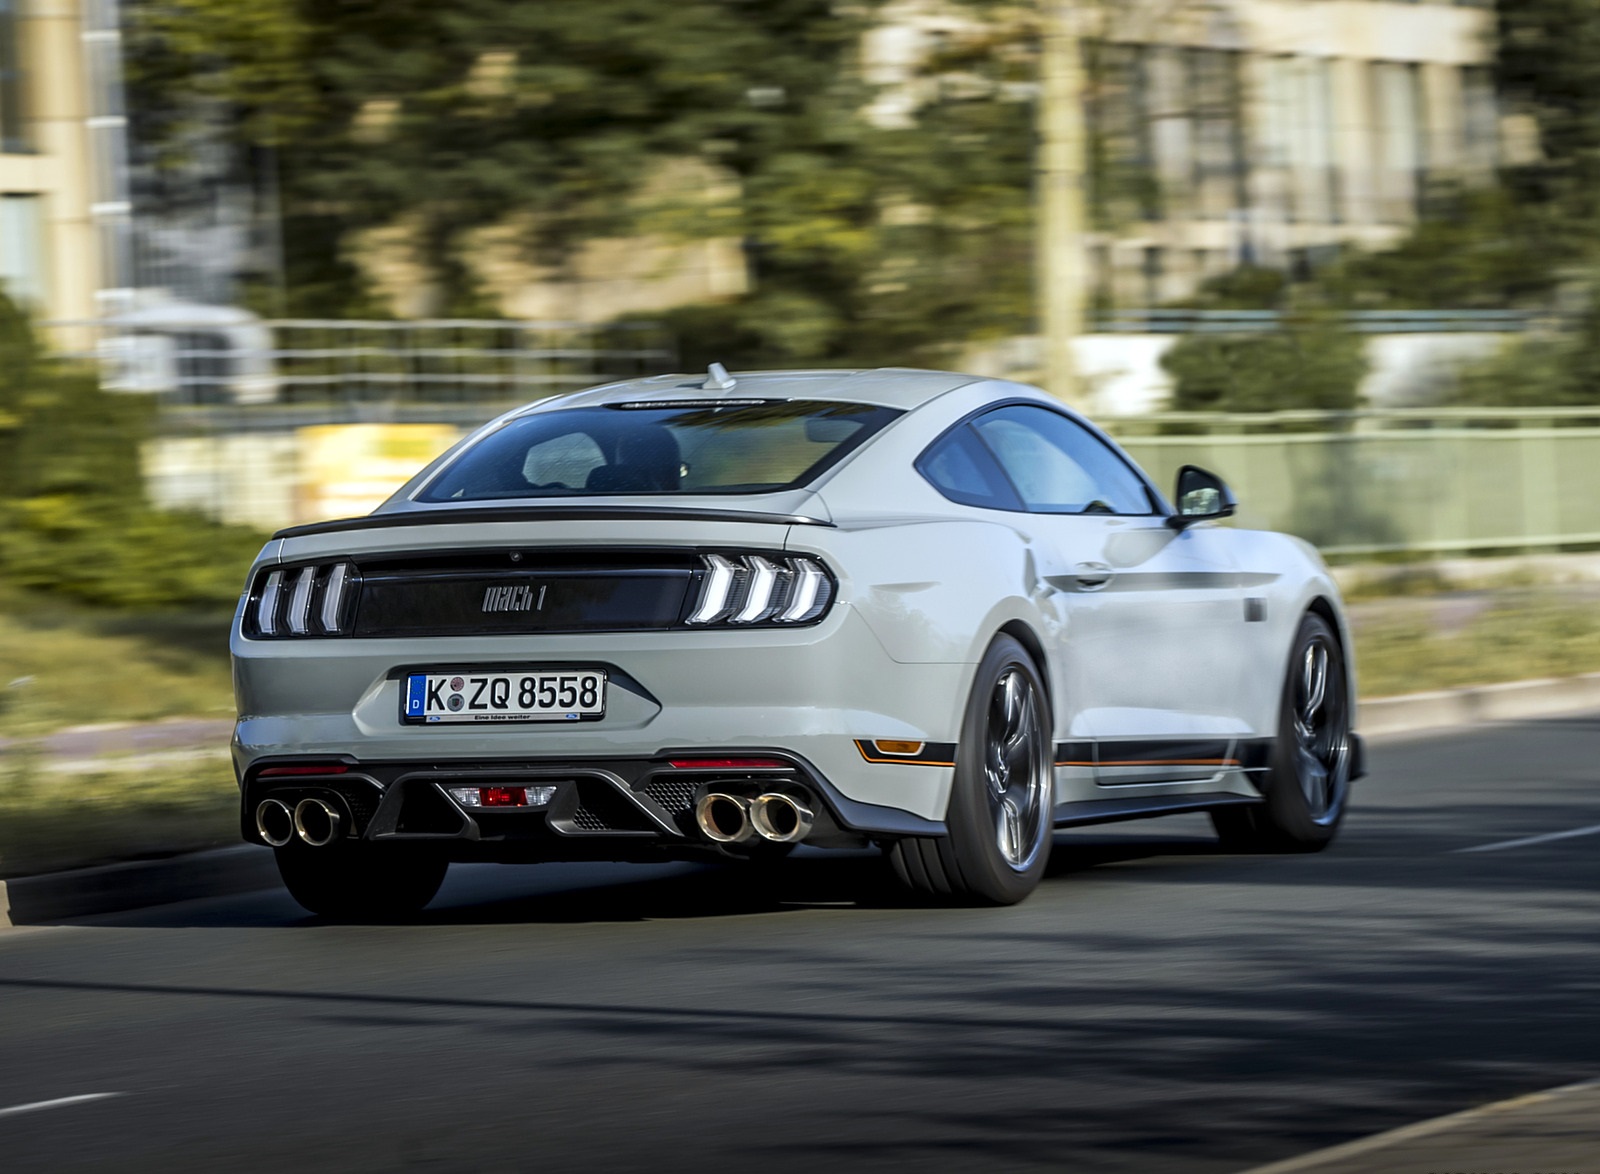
[1311,362]
[1537,371]
[74,520]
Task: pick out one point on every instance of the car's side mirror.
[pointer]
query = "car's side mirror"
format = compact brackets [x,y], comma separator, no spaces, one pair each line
[1201,497]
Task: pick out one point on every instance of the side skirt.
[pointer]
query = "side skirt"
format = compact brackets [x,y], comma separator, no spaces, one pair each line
[1091,811]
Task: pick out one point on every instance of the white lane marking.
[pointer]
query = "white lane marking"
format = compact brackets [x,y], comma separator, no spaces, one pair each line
[1526,841]
[59,1102]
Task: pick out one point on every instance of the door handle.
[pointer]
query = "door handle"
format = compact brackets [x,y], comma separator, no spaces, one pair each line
[1092,576]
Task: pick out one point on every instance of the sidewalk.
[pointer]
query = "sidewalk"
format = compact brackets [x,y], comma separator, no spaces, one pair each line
[1557,1131]
[177,733]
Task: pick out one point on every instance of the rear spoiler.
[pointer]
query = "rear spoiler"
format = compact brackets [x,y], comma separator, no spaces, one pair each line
[467,516]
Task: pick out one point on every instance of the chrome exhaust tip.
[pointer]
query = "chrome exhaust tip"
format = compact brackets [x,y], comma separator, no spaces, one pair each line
[317,822]
[781,818]
[723,818]
[274,822]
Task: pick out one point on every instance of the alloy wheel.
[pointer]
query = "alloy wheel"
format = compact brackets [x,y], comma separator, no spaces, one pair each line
[1016,773]
[1321,721]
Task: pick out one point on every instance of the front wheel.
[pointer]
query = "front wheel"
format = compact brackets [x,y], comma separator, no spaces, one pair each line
[1001,809]
[1308,782]
[360,882]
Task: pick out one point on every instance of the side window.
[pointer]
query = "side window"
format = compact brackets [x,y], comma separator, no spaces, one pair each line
[961,468]
[1059,467]
[563,462]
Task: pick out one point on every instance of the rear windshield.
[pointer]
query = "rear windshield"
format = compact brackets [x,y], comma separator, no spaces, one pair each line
[750,447]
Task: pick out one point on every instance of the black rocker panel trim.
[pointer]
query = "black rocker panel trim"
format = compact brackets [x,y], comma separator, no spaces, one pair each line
[1117,810]
[1074,753]
[1217,752]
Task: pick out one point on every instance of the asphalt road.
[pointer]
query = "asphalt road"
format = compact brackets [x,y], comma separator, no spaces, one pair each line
[1155,1006]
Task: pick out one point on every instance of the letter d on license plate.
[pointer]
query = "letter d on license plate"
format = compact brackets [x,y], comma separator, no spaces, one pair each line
[523,695]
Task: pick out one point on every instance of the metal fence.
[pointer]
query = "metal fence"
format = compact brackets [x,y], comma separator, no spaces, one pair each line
[329,370]
[1420,482]
[255,416]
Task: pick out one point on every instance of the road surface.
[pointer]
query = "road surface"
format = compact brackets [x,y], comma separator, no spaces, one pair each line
[1156,1006]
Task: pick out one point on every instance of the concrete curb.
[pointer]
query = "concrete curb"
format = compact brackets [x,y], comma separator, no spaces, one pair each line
[1512,701]
[113,888]
[1549,1130]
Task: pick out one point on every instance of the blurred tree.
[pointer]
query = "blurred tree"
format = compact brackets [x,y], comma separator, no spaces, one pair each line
[1540,370]
[1310,362]
[1548,65]
[546,122]
[73,515]
[446,118]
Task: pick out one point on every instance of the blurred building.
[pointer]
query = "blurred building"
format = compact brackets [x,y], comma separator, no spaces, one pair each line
[1225,132]
[48,253]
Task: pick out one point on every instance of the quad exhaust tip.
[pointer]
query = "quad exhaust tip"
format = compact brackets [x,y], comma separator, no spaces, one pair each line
[780,818]
[732,819]
[724,818]
[275,822]
[317,822]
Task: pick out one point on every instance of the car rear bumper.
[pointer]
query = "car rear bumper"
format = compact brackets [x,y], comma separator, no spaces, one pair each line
[602,808]
[810,696]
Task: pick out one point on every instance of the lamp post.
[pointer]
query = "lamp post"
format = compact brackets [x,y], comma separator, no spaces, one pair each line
[1060,263]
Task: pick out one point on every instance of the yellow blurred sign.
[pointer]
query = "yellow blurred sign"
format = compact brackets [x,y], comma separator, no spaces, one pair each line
[350,469]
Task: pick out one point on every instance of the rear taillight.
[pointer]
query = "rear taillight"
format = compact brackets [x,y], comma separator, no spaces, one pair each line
[317,600]
[760,590]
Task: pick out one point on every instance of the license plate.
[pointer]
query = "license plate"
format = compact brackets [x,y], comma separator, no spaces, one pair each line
[525,695]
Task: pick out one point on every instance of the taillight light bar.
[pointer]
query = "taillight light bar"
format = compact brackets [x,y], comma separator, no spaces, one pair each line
[760,590]
[315,600]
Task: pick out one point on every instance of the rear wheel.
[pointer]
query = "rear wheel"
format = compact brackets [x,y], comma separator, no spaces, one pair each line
[359,881]
[1001,803]
[1309,780]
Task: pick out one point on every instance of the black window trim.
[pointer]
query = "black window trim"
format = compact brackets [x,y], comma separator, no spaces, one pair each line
[1159,506]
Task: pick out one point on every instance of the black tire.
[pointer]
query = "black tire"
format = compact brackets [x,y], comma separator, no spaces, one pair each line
[1000,817]
[360,882]
[1308,784]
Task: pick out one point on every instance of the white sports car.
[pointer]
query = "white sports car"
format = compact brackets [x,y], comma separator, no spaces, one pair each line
[705,614]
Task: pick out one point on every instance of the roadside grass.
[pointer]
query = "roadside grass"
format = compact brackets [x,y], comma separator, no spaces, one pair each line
[1516,637]
[52,820]
[62,665]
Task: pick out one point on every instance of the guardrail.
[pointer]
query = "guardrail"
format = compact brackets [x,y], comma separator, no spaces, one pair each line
[1412,481]
[1359,321]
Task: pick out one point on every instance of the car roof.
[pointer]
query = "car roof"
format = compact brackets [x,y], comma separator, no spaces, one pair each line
[892,387]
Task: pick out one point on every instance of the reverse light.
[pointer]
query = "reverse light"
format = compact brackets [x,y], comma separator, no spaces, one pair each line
[752,589]
[502,796]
